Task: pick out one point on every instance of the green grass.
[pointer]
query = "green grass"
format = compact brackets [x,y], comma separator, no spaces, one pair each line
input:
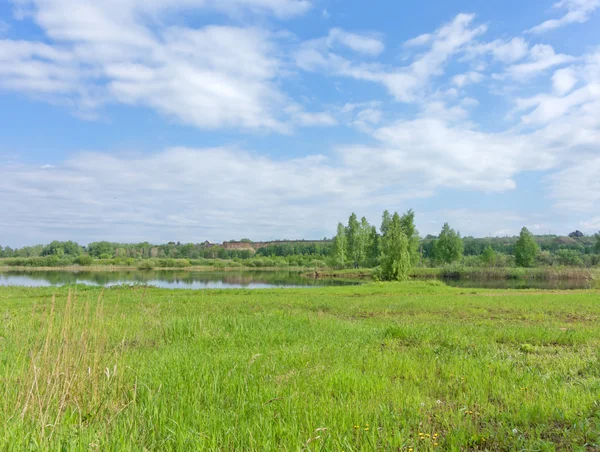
[374,367]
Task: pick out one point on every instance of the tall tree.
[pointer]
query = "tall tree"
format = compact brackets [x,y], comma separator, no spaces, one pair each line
[449,246]
[363,244]
[407,222]
[373,249]
[526,249]
[386,219]
[339,247]
[395,255]
[597,246]
[353,242]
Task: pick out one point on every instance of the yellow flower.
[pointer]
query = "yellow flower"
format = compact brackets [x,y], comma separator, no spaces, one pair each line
[366,429]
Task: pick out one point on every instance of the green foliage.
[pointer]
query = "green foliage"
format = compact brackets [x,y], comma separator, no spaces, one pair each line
[57,248]
[526,249]
[488,257]
[569,257]
[340,247]
[407,221]
[396,261]
[597,244]
[448,247]
[98,249]
[353,241]
[84,260]
[146,265]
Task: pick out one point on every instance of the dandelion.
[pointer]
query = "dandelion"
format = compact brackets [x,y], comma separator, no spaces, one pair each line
[356,427]
[422,403]
[515,431]
[439,402]
[366,429]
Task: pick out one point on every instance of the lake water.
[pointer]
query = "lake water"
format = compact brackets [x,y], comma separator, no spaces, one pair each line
[183,279]
[171,279]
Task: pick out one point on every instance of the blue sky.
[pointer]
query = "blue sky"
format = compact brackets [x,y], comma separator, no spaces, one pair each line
[189,120]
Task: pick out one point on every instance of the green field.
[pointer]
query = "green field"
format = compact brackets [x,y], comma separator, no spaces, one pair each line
[406,366]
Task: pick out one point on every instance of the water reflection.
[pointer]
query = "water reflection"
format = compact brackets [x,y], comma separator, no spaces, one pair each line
[167,279]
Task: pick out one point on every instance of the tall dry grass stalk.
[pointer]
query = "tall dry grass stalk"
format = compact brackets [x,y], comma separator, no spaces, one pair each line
[71,370]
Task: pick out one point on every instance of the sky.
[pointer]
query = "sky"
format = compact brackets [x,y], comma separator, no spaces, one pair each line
[193,120]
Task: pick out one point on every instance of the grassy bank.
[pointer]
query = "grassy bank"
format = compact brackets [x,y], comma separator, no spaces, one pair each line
[482,273]
[477,273]
[412,366]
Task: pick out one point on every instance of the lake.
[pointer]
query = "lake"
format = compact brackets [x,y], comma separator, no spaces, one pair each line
[184,279]
[170,279]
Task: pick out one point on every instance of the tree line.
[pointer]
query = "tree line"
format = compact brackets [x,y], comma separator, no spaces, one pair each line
[392,248]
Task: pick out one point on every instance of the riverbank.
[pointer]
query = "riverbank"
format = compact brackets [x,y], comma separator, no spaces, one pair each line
[456,272]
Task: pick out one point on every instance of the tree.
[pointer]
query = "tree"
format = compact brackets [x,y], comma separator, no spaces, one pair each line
[339,247]
[449,246]
[407,221]
[526,249]
[488,257]
[597,246]
[353,242]
[395,256]
[373,249]
[363,244]
[385,222]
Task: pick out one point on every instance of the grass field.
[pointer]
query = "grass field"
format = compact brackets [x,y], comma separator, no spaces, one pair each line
[414,367]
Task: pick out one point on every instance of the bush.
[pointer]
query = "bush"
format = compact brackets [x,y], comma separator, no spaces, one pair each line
[146,265]
[84,260]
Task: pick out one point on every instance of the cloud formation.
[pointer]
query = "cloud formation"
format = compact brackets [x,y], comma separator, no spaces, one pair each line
[424,133]
[118,51]
[578,11]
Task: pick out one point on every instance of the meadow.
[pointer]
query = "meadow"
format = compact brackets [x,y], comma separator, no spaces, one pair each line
[414,366]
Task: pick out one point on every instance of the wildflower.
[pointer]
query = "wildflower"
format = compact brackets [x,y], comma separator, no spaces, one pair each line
[435,444]
[515,431]
[439,402]
[356,427]
[366,429]
[422,403]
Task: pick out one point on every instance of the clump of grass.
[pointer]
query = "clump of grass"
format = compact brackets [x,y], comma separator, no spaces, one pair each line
[68,370]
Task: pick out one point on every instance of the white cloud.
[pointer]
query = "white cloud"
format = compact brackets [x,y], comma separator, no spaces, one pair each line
[564,80]
[562,101]
[577,188]
[106,51]
[193,194]
[420,40]
[578,11]
[505,51]
[369,45]
[406,83]
[461,80]
[541,58]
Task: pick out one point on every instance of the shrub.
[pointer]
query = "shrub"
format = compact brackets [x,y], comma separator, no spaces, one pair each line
[84,260]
